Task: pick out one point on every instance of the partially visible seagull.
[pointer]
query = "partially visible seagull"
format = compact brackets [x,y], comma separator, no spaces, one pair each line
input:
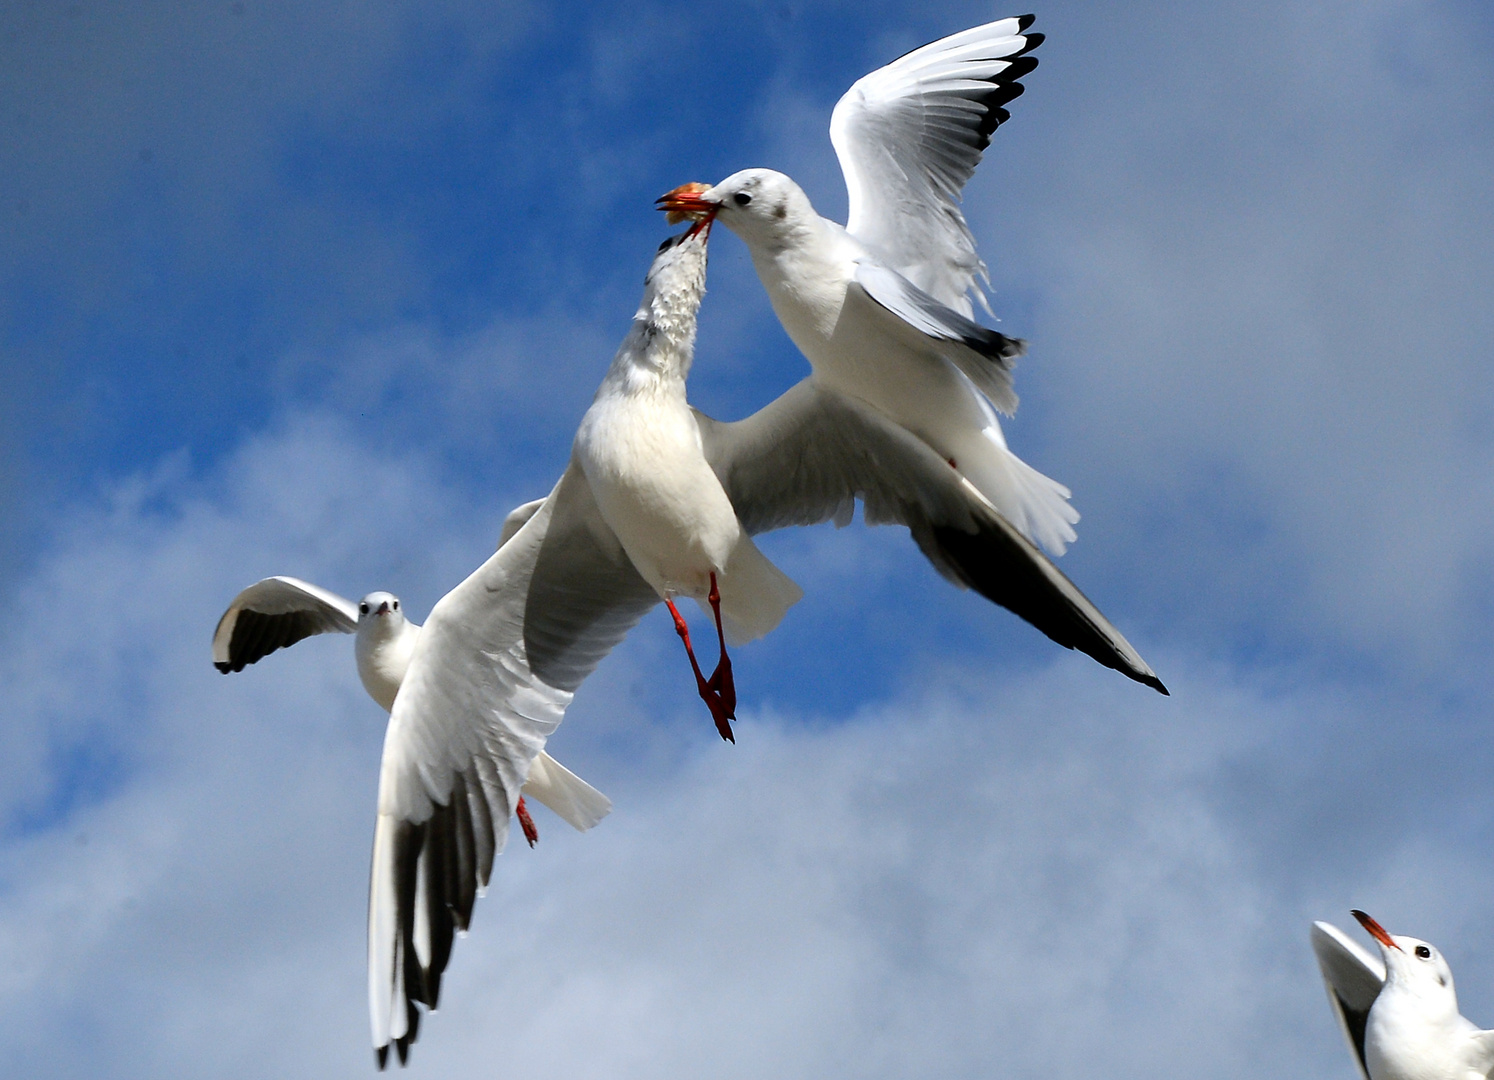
[881,307]
[640,449]
[1400,1014]
[280,611]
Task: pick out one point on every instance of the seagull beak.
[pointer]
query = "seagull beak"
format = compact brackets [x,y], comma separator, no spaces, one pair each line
[685,204]
[1375,930]
[383,608]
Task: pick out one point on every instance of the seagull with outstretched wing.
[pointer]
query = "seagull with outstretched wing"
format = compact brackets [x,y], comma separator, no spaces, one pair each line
[881,307]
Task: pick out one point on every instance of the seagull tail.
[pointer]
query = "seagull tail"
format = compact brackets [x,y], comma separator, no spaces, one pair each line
[575,801]
[755,594]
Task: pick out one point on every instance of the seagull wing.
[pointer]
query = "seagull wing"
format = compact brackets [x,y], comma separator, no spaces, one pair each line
[909,137]
[1353,978]
[811,454]
[274,613]
[492,674]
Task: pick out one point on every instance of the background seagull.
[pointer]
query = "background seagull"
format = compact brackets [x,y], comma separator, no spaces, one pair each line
[881,307]
[280,611]
[1400,1016]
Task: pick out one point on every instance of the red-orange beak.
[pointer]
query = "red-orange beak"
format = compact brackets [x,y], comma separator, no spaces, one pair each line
[685,204]
[1375,930]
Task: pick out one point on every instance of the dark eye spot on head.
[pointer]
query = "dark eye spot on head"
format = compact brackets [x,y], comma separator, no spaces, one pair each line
[396,605]
[741,198]
[1423,952]
[780,211]
[362,609]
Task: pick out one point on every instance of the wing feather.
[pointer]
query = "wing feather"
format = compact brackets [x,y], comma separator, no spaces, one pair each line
[274,614]
[494,669]
[1353,979]
[909,136]
[809,455]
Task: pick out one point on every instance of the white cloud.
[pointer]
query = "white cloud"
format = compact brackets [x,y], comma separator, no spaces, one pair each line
[1026,875]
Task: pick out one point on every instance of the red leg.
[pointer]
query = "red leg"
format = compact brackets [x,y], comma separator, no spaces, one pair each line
[721,680]
[526,822]
[707,693]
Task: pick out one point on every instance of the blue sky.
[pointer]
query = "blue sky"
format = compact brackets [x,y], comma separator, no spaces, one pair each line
[323,289]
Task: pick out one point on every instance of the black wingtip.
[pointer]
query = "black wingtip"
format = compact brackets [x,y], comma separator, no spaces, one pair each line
[1156,684]
[223,666]
[403,1047]
[381,1056]
[1024,21]
[1033,41]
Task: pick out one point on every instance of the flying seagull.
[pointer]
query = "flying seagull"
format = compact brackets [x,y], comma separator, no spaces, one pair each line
[1400,1013]
[881,307]
[639,447]
[280,611]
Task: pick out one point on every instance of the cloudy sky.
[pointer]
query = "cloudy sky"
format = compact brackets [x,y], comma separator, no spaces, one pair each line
[323,289]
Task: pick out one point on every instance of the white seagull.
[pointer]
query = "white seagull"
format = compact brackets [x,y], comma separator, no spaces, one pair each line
[280,611]
[640,449]
[881,307]
[1400,1016]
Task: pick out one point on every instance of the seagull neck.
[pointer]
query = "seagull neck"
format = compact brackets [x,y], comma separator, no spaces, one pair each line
[383,649]
[658,352]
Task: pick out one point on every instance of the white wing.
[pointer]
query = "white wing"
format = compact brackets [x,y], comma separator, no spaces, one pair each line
[909,136]
[984,355]
[1353,978]
[516,518]
[811,454]
[274,613]
[492,674]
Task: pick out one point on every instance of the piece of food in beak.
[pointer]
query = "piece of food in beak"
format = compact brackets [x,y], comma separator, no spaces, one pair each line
[685,204]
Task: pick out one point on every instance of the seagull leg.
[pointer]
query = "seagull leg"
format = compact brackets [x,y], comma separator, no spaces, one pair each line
[721,680]
[526,822]
[707,693]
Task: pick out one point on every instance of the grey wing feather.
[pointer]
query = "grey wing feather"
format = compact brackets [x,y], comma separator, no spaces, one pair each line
[909,136]
[492,674]
[809,455]
[986,356]
[275,613]
[1353,979]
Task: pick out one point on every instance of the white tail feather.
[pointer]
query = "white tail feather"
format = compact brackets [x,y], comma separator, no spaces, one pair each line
[755,594]
[575,801]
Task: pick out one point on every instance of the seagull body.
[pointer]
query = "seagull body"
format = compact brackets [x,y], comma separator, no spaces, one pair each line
[1400,1014]
[881,307]
[640,449]
[279,611]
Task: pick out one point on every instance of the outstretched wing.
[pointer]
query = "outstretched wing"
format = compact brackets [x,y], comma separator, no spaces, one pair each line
[809,455]
[274,613]
[909,137]
[493,672]
[1353,978]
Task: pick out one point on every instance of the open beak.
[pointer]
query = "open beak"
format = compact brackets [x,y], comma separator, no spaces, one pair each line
[1375,930]
[685,204]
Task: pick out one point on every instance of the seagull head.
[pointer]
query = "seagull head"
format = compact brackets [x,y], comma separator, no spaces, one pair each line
[380,611]
[1411,963]
[756,204]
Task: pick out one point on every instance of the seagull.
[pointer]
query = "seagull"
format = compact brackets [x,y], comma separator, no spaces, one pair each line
[639,447]
[1400,1016]
[280,611]
[881,306]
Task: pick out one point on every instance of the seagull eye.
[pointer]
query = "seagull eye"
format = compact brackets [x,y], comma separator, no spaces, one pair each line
[1423,952]
[362,609]
[396,605]
[741,198]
